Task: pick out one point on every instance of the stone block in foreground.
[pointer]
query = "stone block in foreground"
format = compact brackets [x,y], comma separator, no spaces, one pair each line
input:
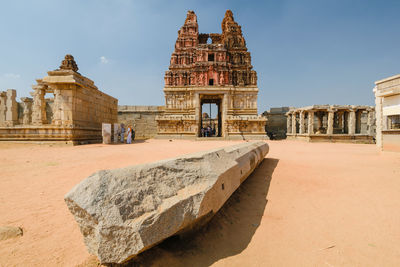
[123,212]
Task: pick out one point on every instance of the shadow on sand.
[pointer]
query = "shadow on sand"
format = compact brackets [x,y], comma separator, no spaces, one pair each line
[227,234]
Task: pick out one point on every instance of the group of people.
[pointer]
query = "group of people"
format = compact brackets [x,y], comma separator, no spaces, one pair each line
[207,131]
[130,134]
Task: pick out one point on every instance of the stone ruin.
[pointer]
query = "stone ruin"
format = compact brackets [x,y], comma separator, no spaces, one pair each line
[126,211]
[219,72]
[74,115]
[334,123]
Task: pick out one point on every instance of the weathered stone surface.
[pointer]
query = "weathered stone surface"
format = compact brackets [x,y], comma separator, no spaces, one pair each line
[125,211]
[106,133]
[7,232]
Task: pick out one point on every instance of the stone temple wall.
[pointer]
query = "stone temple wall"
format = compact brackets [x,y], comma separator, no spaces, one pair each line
[142,118]
[92,108]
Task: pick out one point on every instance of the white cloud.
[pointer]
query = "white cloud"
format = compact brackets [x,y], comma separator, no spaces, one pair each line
[12,76]
[103,60]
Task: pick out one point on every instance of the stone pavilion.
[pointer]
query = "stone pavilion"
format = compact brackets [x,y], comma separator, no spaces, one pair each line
[332,123]
[73,113]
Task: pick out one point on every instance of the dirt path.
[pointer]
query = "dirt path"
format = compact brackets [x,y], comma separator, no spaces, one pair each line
[306,205]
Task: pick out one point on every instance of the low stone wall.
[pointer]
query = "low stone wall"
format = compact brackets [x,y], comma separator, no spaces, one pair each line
[142,118]
[334,138]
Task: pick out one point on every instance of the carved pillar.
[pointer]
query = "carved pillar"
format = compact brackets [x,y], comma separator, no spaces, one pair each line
[224,117]
[27,104]
[197,107]
[289,123]
[3,100]
[352,122]
[331,115]
[12,108]
[301,121]
[39,104]
[58,110]
[369,122]
[310,122]
[294,123]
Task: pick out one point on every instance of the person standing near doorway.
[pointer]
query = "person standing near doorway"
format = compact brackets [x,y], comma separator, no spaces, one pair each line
[129,137]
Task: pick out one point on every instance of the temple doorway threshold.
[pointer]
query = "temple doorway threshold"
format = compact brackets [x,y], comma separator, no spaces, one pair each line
[210,127]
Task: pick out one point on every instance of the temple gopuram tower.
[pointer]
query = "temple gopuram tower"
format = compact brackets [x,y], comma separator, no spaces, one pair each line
[218,72]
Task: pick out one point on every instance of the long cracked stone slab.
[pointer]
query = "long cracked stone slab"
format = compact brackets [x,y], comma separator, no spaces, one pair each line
[125,211]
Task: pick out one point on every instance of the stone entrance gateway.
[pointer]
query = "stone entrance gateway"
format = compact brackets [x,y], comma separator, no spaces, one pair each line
[211,99]
[219,72]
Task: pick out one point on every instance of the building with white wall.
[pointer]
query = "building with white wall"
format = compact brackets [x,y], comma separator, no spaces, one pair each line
[387,100]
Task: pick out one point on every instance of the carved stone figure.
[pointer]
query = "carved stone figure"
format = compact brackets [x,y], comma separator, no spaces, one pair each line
[221,79]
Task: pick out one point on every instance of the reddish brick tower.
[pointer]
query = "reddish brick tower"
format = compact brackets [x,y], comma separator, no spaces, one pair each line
[225,61]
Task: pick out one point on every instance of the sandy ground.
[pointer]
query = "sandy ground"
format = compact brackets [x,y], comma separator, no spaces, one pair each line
[307,204]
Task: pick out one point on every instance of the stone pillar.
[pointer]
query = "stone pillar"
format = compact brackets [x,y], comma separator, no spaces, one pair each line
[369,122]
[27,104]
[294,123]
[57,107]
[301,121]
[117,131]
[12,108]
[310,122]
[39,105]
[352,122]
[224,117]
[106,133]
[197,114]
[331,115]
[378,119]
[3,100]
[288,123]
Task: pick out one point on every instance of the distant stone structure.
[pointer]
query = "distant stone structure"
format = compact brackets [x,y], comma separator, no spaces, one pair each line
[332,123]
[219,72]
[387,100]
[276,125]
[75,114]
[141,118]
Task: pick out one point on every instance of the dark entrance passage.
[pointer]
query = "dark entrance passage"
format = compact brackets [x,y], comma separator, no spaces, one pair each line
[210,118]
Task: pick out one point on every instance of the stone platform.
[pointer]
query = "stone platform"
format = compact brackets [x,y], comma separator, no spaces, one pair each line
[334,138]
[50,134]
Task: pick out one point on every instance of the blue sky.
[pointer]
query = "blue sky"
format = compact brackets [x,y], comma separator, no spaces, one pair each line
[305,52]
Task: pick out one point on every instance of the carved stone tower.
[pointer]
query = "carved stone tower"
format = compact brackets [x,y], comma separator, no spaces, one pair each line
[219,72]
